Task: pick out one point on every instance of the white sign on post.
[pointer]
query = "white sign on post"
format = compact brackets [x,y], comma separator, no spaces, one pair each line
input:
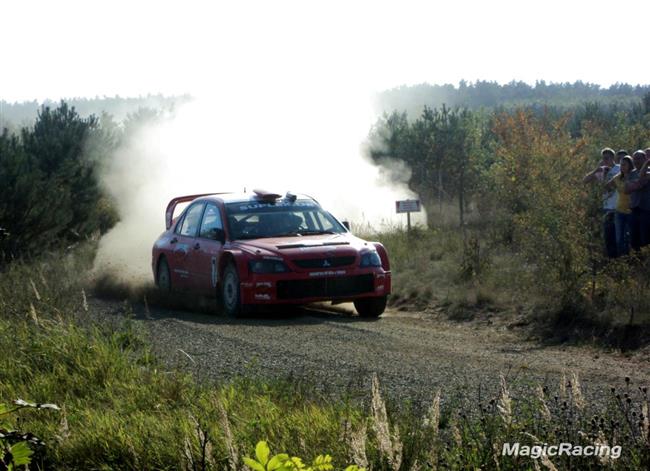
[408,207]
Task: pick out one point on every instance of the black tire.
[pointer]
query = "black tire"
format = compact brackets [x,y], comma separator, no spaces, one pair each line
[230,294]
[163,277]
[371,307]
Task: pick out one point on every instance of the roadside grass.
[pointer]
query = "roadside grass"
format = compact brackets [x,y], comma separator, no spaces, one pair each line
[121,408]
[436,268]
[470,274]
[55,285]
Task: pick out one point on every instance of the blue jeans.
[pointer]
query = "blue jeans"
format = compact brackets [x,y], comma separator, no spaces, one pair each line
[609,234]
[622,223]
[639,228]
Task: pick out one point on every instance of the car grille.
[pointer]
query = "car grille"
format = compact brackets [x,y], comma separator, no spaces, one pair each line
[325,287]
[325,262]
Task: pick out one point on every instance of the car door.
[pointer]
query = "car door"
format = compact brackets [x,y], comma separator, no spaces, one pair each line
[204,257]
[182,246]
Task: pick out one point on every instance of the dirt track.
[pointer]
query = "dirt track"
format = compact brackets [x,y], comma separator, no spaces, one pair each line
[413,353]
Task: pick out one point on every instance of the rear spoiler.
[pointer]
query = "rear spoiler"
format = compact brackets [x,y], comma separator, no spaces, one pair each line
[169,212]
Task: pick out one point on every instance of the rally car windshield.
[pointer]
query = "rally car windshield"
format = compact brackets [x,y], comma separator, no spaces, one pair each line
[258,219]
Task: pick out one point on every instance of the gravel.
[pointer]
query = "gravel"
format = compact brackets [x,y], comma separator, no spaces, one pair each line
[413,354]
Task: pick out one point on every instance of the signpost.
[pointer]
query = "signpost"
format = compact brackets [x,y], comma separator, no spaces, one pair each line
[408,207]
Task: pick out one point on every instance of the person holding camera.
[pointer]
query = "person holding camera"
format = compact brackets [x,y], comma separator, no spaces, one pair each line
[606,170]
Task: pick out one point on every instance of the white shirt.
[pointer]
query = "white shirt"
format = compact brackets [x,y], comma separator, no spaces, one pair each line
[610,197]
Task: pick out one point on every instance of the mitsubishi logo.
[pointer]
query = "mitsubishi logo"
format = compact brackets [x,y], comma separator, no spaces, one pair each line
[326,263]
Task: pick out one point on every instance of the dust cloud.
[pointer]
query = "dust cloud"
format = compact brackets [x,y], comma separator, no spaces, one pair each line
[301,143]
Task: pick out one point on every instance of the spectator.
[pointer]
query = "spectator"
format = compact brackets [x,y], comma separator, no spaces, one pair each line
[605,171]
[637,187]
[619,155]
[623,211]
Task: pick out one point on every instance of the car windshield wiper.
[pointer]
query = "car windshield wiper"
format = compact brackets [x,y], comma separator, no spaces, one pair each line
[269,236]
[285,234]
[302,233]
[316,232]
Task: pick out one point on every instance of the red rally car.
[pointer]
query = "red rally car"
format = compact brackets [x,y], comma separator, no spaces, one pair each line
[264,249]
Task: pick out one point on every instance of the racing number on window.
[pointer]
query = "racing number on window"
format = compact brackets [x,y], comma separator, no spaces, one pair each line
[191,221]
[212,223]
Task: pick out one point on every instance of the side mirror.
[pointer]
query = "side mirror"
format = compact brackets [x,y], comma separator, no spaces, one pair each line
[346,224]
[219,235]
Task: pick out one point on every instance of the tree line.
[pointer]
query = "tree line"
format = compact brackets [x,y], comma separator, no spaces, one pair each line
[15,115]
[487,94]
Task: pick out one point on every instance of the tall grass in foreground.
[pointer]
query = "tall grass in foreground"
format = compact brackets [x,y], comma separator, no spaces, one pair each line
[120,408]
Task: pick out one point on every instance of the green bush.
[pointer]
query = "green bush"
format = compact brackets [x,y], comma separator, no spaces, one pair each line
[15,445]
[49,176]
[263,461]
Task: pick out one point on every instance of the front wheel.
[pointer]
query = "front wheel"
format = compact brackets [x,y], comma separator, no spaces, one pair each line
[371,307]
[230,295]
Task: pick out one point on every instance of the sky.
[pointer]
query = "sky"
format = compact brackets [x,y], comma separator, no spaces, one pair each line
[94,48]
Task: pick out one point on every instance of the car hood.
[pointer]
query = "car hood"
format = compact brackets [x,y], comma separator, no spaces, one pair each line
[304,246]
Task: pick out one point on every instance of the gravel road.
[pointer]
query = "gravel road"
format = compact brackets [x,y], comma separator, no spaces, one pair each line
[413,353]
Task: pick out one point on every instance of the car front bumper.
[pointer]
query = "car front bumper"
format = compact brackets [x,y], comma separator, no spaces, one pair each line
[301,288]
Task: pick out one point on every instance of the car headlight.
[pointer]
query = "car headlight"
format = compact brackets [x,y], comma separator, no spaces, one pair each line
[267,266]
[370,259]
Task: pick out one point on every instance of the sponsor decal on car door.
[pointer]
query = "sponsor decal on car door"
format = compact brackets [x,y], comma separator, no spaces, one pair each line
[204,258]
[185,240]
